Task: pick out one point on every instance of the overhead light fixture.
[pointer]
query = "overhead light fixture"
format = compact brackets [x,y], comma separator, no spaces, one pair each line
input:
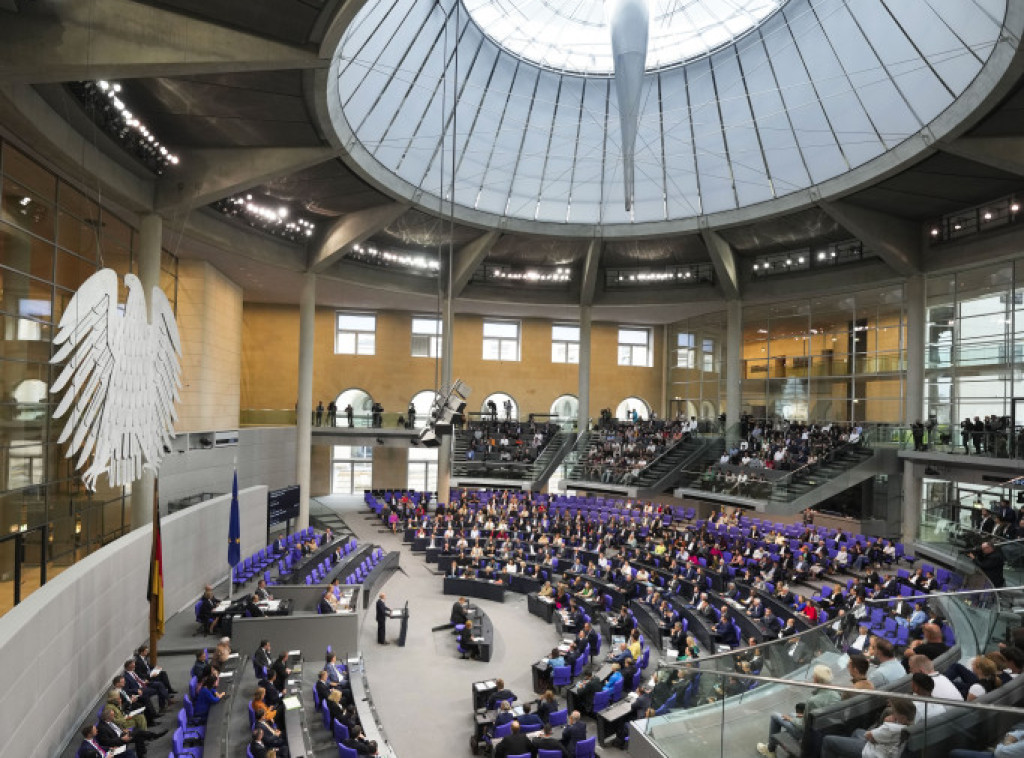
[110,111]
[267,218]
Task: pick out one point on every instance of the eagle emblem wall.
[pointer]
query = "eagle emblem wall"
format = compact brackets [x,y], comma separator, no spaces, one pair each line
[120,381]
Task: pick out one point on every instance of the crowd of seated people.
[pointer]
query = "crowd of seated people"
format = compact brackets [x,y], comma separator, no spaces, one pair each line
[620,450]
[764,447]
[508,441]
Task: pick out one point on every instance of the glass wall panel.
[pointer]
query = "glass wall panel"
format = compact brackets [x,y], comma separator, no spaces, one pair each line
[52,237]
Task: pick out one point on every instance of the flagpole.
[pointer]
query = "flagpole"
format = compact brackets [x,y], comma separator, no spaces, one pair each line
[153,602]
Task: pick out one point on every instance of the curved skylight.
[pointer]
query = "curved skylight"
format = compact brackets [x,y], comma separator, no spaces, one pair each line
[573,36]
[822,97]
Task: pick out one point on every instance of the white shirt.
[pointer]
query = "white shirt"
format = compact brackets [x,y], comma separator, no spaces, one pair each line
[945,689]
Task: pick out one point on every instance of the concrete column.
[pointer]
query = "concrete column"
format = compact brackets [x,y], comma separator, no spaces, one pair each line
[912,474]
[584,372]
[151,232]
[914,297]
[733,368]
[444,452]
[304,407]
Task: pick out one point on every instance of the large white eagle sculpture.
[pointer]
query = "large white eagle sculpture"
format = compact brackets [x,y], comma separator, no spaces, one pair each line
[120,381]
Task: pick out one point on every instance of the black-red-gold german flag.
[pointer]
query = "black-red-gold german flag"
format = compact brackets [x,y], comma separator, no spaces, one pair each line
[155,591]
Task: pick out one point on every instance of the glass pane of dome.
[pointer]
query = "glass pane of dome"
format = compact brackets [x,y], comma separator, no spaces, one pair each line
[573,36]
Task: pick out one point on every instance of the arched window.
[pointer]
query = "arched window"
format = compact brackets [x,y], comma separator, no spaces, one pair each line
[707,410]
[31,397]
[506,406]
[362,405]
[625,409]
[566,408]
[422,402]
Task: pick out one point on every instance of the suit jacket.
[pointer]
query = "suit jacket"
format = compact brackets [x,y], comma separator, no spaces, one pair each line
[458,614]
[109,735]
[324,607]
[258,749]
[550,743]
[282,675]
[253,610]
[587,692]
[262,658]
[514,744]
[88,750]
[572,734]
[382,611]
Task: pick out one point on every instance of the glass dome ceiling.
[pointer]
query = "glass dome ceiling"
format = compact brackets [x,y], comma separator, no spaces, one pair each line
[573,36]
[820,98]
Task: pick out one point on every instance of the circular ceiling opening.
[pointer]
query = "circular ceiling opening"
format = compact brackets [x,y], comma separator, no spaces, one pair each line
[573,36]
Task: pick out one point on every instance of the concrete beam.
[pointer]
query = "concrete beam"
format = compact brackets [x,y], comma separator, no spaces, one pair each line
[59,41]
[897,241]
[468,259]
[591,266]
[1003,153]
[205,176]
[724,260]
[351,230]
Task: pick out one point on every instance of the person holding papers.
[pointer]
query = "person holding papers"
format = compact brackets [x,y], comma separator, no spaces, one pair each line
[110,735]
[152,673]
[91,748]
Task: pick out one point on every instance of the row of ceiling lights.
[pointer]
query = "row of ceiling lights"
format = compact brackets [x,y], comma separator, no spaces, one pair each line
[373,254]
[105,100]
[558,274]
[279,220]
[986,215]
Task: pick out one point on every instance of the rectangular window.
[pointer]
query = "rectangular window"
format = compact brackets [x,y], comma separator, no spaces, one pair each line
[634,346]
[685,354]
[565,343]
[708,357]
[501,340]
[426,337]
[356,334]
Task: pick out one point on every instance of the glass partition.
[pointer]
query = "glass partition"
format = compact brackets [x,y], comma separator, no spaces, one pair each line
[722,705]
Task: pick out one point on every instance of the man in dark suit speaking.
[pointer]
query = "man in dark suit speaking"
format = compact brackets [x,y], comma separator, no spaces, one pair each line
[382,618]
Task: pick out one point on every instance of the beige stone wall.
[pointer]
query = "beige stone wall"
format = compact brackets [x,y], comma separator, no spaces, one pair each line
[210,324]
[392,376]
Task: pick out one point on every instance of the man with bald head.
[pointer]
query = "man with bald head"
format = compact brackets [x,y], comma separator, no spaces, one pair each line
[930,645]
[943,689]
[516,743]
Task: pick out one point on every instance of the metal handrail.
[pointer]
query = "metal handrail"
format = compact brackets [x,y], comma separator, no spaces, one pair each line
[18,538]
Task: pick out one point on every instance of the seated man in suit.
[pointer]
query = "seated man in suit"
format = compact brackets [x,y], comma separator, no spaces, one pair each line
[545,740]
[91,747]
[110,735]
[573,732]
[133,701]
[471,648]
[144,670]
[136,685]
[589,686]
[262,655]
[325,606]
[725,632]
[206,605]
[252,610]
[256,746]
[273,737]
[499,694]
[516,743]
[359,743]
[529,719]
[262,593]
[620,655]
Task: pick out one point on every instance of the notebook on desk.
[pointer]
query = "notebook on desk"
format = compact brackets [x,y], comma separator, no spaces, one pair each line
[136,712]
[291,703]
